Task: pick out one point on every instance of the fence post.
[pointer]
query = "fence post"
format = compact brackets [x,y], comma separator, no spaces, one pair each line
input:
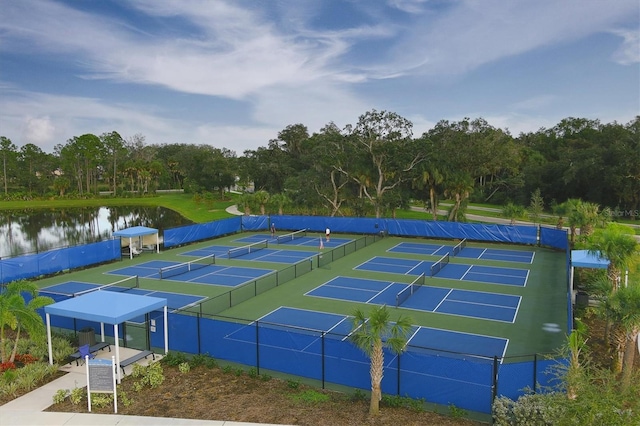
[322,358]
[495,379]
[257,348]
[535,371]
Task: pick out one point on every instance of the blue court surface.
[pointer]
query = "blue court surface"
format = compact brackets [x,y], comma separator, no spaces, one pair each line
[497,254]
[257,254]
[422,249]
[466,303]
[306,241]
[174,300]
[340,326]
[230,276]
[452,271]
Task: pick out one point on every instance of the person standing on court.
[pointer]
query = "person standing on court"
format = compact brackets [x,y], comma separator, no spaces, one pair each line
[273,229]
[327,232]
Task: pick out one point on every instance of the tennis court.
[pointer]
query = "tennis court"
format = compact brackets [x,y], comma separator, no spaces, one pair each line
[230,276]
[422,248]
[175,301]
[340,326]
[257,251]
[466,303]
[298,238]
[444,269]
[497,254]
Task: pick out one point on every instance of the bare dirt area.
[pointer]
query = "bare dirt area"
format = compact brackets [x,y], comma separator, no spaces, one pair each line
[220,394]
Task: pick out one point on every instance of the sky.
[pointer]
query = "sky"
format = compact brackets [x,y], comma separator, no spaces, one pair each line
[233,74]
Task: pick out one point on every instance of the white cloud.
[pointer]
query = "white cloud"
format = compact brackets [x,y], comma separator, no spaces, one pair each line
[473,33]
[629,52]
[38,130]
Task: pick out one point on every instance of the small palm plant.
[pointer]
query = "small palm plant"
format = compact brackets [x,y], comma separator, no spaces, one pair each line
[372,335]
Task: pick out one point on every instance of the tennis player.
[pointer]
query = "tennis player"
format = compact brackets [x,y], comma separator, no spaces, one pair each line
[327,233]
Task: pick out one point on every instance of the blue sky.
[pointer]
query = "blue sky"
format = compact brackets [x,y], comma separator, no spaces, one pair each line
[234,73]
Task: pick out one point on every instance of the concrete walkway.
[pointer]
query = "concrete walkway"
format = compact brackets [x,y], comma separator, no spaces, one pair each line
[28,410]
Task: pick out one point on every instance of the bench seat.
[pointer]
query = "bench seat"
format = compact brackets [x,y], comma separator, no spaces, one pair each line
[137,357]
[92,349]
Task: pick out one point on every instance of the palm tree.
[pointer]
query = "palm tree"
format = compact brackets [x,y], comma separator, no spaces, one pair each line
[624,308]
[372,335]
[262,198]
[617,244]
[17,314]
[279,202]
[513,211]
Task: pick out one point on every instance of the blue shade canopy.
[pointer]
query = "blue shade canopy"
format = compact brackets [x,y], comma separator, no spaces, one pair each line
[109,307]
[586,259]
[135,231]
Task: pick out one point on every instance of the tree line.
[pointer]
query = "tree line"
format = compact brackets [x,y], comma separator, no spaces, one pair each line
[372,167]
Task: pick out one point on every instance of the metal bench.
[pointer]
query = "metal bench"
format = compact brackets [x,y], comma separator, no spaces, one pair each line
[92,349]
[137,357]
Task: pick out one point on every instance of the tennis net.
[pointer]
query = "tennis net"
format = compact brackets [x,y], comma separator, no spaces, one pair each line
[249,248]
[123,285]
[291,236]
[183,268]
[407,292]
[459,247]
[441,263]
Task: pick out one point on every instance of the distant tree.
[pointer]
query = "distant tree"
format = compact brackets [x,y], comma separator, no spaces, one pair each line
[386,154]
[374,333]
[536,206]
[115,151]
[279,202]
[262,199]
[513,212]
[9,153]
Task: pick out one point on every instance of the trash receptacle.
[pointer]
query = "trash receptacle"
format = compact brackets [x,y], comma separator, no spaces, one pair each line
[582,299]
[87,336]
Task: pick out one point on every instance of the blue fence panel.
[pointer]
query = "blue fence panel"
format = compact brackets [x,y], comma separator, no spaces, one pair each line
[157,337]
[556,238]
[255,223]
[336,224]
[291,352]
[54,261]
[516,379]
[463,382]
[203,231]
[91,254]
[229,341]
[19,268]
[455,230]
[549,371]
[183,333]
[346,364]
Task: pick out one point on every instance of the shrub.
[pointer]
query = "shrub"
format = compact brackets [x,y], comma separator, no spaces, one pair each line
[60,396]
[151,375]
[76,395]
[174,359]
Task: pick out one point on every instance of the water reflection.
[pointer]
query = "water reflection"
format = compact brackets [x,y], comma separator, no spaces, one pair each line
[35,230]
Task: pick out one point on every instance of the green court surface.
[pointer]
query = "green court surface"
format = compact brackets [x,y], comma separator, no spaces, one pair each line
[540,325]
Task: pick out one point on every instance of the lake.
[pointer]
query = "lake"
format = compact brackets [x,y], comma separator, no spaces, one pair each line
[29,231]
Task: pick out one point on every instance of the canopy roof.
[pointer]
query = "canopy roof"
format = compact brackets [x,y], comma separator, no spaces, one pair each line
[135,231]
[586,259]
[109,307]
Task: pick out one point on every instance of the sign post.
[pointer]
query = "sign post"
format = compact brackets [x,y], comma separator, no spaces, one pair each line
[101,378]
